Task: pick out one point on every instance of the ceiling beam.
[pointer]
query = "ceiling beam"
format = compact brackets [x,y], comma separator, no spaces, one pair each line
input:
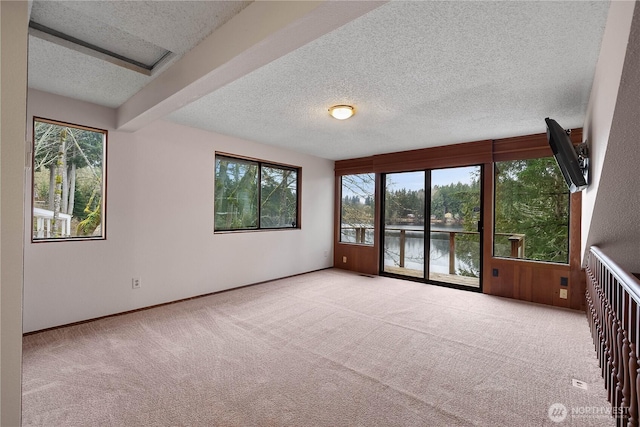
[56,37]
[261,33]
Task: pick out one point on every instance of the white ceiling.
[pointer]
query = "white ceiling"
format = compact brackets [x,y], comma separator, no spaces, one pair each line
[137,29]
[419,74]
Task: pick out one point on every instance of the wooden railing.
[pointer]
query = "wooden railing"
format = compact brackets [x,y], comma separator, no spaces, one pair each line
[360,232]
[452,244]
[517,242]
[613,310]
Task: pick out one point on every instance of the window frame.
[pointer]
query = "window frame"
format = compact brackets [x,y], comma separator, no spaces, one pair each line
[493,225]
[103,204]
[260,164]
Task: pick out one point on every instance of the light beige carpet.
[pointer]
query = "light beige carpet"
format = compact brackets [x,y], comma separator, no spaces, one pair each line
[329,348]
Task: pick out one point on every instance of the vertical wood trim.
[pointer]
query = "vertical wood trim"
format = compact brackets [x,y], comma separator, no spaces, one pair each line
[337,202]
[377,237]
[487,237]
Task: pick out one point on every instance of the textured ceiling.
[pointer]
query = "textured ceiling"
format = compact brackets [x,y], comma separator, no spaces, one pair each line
[70,73]
[419,74]
[140,30]
[95,29]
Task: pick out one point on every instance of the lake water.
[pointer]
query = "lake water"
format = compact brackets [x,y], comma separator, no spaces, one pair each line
[414,247]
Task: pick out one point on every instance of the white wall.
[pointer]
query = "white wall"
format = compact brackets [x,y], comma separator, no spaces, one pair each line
[160,224]
[611,205]
[602,102]
[13,98]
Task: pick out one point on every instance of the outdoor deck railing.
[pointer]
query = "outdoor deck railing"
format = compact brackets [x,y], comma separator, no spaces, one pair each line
[44,221]
[613,311]
[516,241]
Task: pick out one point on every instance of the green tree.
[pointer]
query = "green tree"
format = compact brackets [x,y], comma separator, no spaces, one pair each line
[236,194]
[66,151]
[358,206]
[468,244]
[532,199]
[278,205]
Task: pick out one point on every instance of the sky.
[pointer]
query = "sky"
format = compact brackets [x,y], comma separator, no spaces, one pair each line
[415,180]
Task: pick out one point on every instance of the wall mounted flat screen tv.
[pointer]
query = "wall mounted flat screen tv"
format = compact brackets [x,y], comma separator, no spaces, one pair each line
[573,166]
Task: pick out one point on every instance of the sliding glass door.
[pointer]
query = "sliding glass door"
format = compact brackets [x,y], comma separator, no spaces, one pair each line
[444,204]
[454,226]
[403,224]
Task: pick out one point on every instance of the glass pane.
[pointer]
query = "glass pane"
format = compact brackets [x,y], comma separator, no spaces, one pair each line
[236,194]
[358,208]
[531,211]
[68,185]
[278,197]
[454,255]
[404,207]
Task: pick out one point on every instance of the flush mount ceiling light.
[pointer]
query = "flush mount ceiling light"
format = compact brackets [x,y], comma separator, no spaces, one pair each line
[341,112]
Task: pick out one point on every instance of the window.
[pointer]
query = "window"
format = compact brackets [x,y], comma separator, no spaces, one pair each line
[358,208]
[531,211]
[69,165]
[252,195]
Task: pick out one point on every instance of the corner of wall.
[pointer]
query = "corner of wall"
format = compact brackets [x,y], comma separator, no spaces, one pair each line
[13,76]
[602,103]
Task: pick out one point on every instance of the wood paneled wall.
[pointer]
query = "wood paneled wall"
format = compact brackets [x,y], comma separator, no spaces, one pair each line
[534,281]
[525,280]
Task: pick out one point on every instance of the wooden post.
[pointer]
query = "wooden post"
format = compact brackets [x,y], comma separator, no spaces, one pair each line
[402,240]
[452,252]
[515,243]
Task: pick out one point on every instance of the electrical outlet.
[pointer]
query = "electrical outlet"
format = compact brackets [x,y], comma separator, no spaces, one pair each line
[135,283]
[344,259]
[563,293]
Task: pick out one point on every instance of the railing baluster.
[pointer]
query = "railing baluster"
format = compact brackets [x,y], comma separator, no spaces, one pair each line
[619,348]
[636,348]
[613,312]
[633,362]
[609,343]
[452,252]
[626,352]
[403,239]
